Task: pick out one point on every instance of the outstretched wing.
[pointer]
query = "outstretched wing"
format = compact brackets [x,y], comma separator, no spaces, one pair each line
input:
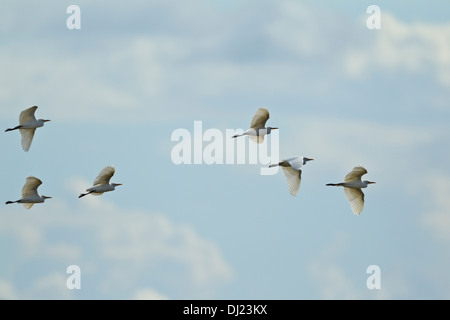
[260,118]
[27,137]
[257,139]
[356,199]
[30,187]
[27,115]
[293,178]
[104,176]
[28,205]
[356,173]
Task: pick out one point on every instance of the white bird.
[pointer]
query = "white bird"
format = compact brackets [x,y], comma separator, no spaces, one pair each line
[292,170]
[27,126]
[101,183]
[352,188]
[30,196]
[258,128]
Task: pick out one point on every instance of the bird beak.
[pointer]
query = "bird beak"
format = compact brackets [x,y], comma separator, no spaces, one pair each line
[47,120]
[371,182]
[118,184]
[309,159]
[274,128]
[47,197]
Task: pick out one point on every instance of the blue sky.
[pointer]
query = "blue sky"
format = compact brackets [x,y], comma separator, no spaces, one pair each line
[115,91]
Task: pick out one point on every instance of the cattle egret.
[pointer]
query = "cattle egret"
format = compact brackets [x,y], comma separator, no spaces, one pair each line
[352,188]
[292,170]
[101,183]
[258,128]
[27,126]
[30,195]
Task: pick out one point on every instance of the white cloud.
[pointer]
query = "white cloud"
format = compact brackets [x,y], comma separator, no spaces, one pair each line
[117,249]
[435,190]
[149,294]
[415,48]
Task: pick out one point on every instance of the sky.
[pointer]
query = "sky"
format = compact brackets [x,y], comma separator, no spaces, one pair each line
[116,90]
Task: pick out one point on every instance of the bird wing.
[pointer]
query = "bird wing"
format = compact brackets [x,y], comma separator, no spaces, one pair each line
[257,139]
[27,138]
[293,178]
[104,176]
[295,162]
[260,118]
[355,174]
[27,115]
[28,205]
[30,187]
[356,199]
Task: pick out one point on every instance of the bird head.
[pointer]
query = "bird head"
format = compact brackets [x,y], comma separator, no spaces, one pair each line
[270,129]
[305,160]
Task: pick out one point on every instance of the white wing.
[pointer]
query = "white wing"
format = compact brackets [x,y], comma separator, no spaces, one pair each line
[30,187]
[260,118]
[293,178]
[27,138]
[27,115]
[257,139]
[355,174]
[356,199]
[27,205]
[104,176]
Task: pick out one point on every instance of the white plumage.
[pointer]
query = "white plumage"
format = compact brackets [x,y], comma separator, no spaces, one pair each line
[27,126]
[258,128]
[352,188]
[101,183]
[30,195]
[292,170]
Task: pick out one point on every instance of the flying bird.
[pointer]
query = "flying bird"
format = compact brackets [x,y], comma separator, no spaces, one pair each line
[27,126]
[30,196]
[258,128]
[352,188]
[101,183]
[292,170]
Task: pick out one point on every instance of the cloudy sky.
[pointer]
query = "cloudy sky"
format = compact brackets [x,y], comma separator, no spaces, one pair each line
[115,91]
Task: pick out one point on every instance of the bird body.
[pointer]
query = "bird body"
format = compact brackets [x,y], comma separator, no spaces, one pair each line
[30,196]
[258,128]
[352,188]
[292,171]
[27,126]
[101,183]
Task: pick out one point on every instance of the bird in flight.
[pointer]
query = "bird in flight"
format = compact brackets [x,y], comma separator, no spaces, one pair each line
[292,170]
[101,183]
[258,128]
[30,196]
[352,188]
[27,126]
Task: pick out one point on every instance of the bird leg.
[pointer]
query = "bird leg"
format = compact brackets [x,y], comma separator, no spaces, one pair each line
[15,128]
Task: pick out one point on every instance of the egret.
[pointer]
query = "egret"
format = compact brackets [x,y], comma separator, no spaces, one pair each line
[101,183]
[292,170]
[27,126]
[258,128]
[30,196]
[352,188]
